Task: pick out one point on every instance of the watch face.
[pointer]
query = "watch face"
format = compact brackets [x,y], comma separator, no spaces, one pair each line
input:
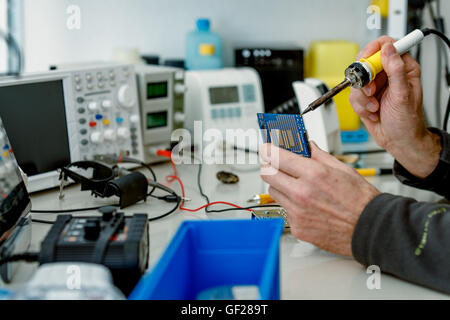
[14,199]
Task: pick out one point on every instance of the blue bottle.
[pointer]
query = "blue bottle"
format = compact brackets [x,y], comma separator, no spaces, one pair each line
[203,48]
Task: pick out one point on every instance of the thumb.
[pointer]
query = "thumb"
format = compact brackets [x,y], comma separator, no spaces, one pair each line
[395,69]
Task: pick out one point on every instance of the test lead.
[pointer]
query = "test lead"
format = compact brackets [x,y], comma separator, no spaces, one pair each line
[364,71]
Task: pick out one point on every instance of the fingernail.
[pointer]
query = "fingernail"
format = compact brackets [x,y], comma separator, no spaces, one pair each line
[389,49]
[372,107]
[373,117]
[367,91]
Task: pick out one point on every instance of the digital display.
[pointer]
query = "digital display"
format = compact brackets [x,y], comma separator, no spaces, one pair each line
[219,95]
[156,90]
[34,117]
[156,120]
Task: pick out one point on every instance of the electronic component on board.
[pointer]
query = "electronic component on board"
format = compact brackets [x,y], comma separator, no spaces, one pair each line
[286,131]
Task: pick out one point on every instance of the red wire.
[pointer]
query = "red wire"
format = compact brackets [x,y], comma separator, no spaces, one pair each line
[174,176]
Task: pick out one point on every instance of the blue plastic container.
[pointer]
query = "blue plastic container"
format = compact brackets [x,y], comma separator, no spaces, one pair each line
[208,254]
[203,48]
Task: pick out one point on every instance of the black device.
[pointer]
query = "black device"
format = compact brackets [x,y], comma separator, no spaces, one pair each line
[277,67]
[130,188]
[15,231]
[118,242]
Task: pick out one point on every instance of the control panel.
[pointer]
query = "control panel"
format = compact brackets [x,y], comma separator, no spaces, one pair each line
[107,111]
[161,95]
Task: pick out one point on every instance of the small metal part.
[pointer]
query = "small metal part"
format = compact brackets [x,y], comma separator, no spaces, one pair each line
[227,177]
[271,213]
[63,182]
[358,74]
[255,199]
[327,96]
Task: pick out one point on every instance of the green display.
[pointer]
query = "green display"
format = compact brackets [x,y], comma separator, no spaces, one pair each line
[156,119]
[156,90]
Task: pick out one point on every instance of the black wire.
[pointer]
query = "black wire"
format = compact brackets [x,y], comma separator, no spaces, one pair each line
[42,221]
[12,43]
[168,213]
[427,31]
[28,257]
[199,183]
[153,175]
[72,210]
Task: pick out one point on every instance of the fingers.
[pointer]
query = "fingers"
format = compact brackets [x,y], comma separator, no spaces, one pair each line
[281,159]
[395,70]
[366,107]
[374,46]
[281,181]
[412,67]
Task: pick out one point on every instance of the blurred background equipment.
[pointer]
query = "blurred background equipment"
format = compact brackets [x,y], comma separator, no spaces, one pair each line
[325,61]
[277,66]
[69,281]
[58,117]
[225,99]
[15,204]
[323,125]
[203,47]
[161,95]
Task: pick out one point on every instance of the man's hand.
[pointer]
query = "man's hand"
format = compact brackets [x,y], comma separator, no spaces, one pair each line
[391,109]
[322,196]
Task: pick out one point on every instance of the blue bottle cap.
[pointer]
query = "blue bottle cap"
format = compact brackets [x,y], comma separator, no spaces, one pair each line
[203,24]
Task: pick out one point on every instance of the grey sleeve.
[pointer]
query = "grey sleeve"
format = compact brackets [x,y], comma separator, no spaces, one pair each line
[439,180]
[406,238]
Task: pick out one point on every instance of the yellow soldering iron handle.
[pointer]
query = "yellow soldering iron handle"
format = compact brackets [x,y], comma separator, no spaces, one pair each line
[403,45]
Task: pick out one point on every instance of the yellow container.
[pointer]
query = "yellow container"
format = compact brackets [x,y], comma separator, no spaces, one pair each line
[327,61]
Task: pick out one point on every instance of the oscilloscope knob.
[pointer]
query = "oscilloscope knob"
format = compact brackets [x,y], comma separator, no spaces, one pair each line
[96,137]
[126,97]
[123,133]
[110,135]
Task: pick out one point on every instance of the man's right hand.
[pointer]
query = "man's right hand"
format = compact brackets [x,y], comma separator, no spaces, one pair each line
[391,109]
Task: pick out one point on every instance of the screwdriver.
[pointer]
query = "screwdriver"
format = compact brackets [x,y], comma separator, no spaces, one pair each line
[364,71]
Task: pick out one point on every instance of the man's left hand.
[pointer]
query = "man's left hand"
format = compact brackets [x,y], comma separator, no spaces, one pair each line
[323,197]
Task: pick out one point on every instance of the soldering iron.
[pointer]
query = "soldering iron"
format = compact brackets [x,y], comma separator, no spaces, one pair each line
[364,71]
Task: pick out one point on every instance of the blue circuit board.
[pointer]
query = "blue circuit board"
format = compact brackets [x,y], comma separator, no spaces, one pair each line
[286,131]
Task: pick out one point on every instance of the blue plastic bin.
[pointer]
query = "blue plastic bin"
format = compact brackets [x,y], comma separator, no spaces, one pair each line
[207,254]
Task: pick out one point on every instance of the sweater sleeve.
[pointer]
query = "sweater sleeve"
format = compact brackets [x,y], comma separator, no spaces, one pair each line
[439,180]
[406,238]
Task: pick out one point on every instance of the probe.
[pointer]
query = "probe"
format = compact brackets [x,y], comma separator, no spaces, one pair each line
[364,71]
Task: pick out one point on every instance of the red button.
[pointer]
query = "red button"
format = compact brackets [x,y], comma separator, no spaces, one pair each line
[92,124]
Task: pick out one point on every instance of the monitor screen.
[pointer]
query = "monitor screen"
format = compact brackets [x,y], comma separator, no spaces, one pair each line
[34,117]
[219,95]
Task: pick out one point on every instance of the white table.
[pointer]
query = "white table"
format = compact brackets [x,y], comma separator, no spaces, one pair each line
[306,272]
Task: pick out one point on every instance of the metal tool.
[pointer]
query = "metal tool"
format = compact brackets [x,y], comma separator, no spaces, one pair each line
[364,71]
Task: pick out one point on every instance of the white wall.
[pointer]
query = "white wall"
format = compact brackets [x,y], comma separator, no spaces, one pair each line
[159,26]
